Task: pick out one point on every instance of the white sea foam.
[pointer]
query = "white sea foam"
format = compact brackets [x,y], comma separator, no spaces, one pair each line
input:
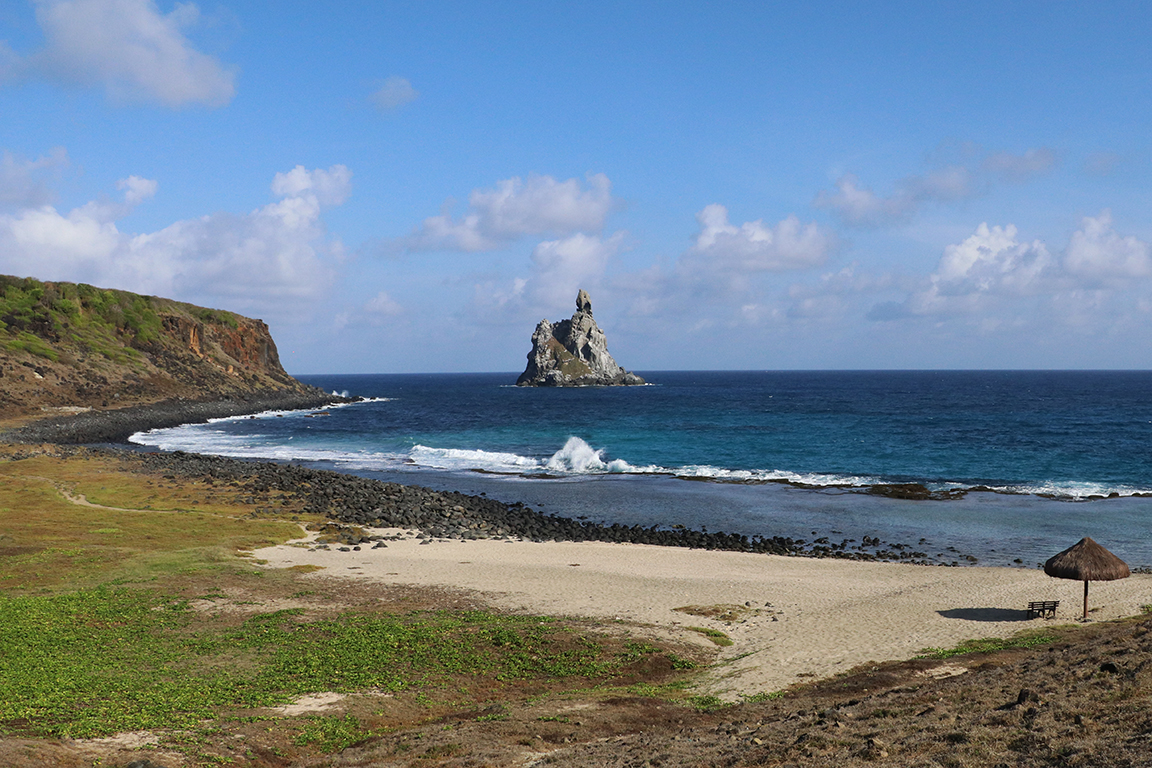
[575,458]
[462,459]
[1076,491]
[704,471]
[153,436]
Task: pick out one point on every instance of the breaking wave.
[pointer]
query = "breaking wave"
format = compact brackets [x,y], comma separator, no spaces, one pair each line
[574,459]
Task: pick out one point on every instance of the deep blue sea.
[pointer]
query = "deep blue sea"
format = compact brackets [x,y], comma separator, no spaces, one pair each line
[769,453]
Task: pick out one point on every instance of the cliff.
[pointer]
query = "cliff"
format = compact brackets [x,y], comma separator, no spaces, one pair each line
[74,346]
[573,353]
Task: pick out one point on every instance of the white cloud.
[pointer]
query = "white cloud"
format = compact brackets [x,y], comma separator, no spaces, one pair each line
[136,189]
[395,93]
[562,267]
[725,276]
[858,206]
[22,183]
[516,207]
[992,258]
[331,187]
[996,280]
[833,295]
[989,268]
[753,246]
[383,305]
[559,269]
[130,48]
[1098,253]
[271,260]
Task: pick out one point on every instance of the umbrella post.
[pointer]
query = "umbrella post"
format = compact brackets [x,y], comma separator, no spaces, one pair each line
[1085,599]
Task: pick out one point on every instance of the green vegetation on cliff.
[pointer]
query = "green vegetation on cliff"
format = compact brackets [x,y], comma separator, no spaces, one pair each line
[34,313]
[72,344]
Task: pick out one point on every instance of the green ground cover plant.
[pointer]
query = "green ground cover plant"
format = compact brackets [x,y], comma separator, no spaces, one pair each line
[331,733]
[145,614]
[988,645]
[78,311]
[715,635]
[106,660]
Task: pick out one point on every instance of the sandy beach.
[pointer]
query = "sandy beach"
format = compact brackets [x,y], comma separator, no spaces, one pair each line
[798,618]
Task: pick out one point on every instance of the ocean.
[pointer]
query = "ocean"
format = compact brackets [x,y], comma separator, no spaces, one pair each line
[1029,461]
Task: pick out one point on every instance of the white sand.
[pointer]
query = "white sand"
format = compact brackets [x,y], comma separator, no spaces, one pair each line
[831,615]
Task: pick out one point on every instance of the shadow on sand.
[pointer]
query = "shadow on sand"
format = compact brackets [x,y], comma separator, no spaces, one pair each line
[985,614]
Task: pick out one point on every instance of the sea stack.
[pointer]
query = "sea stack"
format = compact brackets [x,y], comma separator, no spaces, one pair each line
[573,353]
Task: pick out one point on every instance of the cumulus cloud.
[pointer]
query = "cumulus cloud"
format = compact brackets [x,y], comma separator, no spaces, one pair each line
[136,189]
[989,266]
[383,305]
[993,274]
[754,246]
[517,207]
[395,93]
[331,187]
[1098,253]
[558,270]
[562,267]
[859,206]
[23,182]
[128,47]
[271,260]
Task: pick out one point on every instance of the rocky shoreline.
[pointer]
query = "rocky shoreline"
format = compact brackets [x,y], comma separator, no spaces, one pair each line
[364,502]
[353,501]
[117,425]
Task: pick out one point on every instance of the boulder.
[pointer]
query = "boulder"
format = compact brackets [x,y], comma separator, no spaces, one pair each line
[573,353]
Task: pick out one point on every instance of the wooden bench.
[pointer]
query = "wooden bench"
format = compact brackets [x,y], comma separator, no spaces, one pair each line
[1045,608]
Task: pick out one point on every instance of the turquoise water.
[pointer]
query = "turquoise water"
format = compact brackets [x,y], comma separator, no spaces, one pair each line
[784,453]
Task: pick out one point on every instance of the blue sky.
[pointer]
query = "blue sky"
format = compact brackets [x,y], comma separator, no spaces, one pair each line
[404,187]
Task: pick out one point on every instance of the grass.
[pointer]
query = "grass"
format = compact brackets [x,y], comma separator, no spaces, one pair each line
[715,635]
[726,612]
[131,619]
[52,543]
[988,645]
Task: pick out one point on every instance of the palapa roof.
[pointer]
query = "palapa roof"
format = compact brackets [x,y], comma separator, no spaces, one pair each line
[1086,561]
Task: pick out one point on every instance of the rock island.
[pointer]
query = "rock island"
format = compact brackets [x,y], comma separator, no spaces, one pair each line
[573,353]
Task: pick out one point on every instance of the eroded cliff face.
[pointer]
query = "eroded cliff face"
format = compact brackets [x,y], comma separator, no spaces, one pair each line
[248,347]
[64,345]
[573,353]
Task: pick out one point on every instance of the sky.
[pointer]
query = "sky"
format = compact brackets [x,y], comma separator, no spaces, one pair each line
[411,187]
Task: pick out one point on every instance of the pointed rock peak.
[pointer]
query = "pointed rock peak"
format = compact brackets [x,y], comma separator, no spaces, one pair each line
[583,302]
[573,353]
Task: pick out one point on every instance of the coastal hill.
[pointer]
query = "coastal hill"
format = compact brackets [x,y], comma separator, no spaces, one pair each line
[573,353]
[68,346]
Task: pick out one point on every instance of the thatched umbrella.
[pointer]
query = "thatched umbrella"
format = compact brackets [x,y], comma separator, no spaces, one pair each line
[1086,561]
